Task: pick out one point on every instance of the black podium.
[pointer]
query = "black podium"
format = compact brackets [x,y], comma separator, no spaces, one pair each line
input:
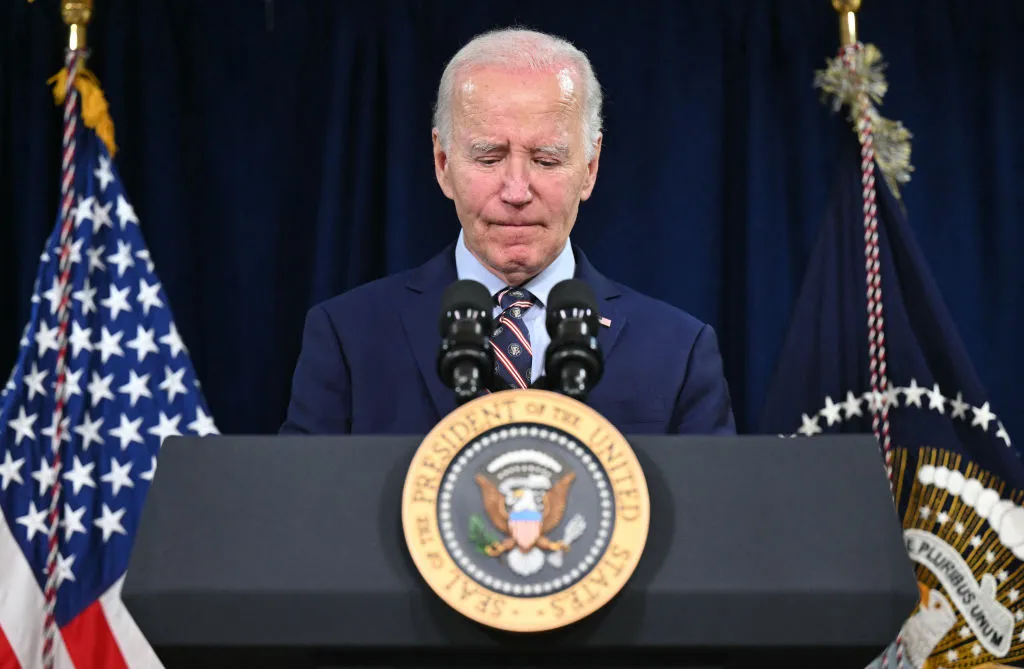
[289,552]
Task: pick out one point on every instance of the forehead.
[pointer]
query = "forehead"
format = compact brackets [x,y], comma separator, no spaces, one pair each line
[493,98]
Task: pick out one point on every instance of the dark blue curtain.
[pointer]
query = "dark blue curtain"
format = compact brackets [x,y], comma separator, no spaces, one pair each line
[278,152]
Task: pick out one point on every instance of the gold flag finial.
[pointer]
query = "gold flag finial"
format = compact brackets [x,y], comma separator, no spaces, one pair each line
[76,15]
[847,20]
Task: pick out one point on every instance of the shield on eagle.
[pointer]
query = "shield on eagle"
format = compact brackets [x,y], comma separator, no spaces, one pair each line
[524,526]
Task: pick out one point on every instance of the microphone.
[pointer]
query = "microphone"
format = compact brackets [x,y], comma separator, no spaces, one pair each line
[573,362]
[465,362]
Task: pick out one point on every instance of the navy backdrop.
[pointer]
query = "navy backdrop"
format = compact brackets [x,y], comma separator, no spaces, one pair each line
[278,153]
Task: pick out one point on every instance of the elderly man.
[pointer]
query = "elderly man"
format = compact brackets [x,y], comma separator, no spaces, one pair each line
[517,140]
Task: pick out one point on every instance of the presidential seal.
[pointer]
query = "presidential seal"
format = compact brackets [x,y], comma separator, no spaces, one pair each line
[525,510]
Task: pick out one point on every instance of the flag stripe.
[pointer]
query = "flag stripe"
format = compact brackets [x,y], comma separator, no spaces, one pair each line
[22,608]
[91,642]
[7,658]
[134,647]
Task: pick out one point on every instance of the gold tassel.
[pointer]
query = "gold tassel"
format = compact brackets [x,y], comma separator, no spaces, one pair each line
[95,112]
[891,138]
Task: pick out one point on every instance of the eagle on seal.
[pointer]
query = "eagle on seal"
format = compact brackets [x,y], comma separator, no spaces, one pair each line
[525,515]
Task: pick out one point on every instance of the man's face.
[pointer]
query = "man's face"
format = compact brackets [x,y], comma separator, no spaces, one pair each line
[516,167]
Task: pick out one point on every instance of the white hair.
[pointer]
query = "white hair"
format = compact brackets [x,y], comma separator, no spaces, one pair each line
[527,49]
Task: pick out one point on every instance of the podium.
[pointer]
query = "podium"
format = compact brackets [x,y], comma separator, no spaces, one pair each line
[270,551]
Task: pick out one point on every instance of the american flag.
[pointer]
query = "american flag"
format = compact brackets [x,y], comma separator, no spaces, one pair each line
[873,349]
[128,385]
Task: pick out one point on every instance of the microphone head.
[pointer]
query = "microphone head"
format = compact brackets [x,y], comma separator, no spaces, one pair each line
[571,298]
[469,297]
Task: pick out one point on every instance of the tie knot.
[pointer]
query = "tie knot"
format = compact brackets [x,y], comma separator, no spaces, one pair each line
[512,298]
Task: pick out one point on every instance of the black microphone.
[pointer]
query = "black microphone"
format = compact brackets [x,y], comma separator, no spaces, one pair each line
[465,362]
[573,362]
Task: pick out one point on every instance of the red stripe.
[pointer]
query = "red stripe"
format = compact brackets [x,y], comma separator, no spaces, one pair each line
[7,658]
[507,364]
[90,642]
[517,332]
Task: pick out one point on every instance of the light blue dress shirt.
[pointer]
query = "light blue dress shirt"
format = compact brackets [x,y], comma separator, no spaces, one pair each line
[563,267]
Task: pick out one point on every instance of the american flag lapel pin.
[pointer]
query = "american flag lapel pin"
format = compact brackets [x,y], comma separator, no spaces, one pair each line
[607,322]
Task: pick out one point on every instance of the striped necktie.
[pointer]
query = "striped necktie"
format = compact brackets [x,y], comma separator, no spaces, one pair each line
[511,340]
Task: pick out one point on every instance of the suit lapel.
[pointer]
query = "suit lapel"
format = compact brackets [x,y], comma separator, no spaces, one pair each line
[423,293]
[607,294]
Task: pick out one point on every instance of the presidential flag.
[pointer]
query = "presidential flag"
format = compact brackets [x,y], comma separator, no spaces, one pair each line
[872,348]
[102,378]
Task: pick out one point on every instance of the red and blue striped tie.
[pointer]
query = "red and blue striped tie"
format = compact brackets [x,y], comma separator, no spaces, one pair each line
[513,356]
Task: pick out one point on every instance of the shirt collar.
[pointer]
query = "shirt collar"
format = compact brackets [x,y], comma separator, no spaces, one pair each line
[563,267]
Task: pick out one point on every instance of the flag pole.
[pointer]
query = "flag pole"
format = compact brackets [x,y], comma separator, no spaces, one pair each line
[76,15]
[847,20]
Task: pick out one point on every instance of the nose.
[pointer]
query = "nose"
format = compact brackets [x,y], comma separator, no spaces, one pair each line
[516,189]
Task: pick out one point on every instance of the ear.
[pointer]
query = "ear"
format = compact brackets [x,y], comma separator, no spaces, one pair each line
[591,178]
[441,164]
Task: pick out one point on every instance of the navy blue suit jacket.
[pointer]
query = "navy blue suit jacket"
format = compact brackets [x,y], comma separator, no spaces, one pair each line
[368,360]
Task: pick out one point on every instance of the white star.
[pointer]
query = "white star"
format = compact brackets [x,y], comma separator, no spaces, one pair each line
[123,258]
[959,528]
[126,213]
[913,393]
[892,397]
[33,521]
[117,302]
[172,383]
[10,470]
[80,475]
[64,565]
[876,399]
[143,343]
[22,426]
[71,386]
[1002,575]
[46,475]
[1013,595]
[54,295]
[982,416]
[84,210]
[136,387]
[167,427]
[128,431]
[959,407]
[964,632]
[65,436]
[34,381]
[951,655]
[148,296]
[149,474]
[942,518]
[976,540]
[1018,615]
[109,344]
[203,424]
[852,405]
[80,339]
[810,426]
[1002,434]
[144,255]
[101,217]
[173,341]
[1020,637]
[87,297]
[925,512]
[110,522]
[990,557]
[99,389]
[96,258]
[976,649]
[72,521]
[103,173]
[936,400]
[46,338]
[89,430]
[831,411]
[118,476]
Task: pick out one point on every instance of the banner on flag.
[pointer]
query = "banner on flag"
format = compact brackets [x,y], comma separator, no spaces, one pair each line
[872,348]
[102,378]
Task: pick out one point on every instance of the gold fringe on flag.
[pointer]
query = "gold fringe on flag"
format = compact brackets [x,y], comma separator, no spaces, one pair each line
[859,89]
[95,113]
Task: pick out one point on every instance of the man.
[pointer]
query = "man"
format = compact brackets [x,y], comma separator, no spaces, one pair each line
[517,139]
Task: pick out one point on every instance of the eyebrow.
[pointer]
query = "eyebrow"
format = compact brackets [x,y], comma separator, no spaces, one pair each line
[556,150]
[485,147]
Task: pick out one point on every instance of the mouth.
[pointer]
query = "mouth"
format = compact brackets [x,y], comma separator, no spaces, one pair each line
[515,224]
